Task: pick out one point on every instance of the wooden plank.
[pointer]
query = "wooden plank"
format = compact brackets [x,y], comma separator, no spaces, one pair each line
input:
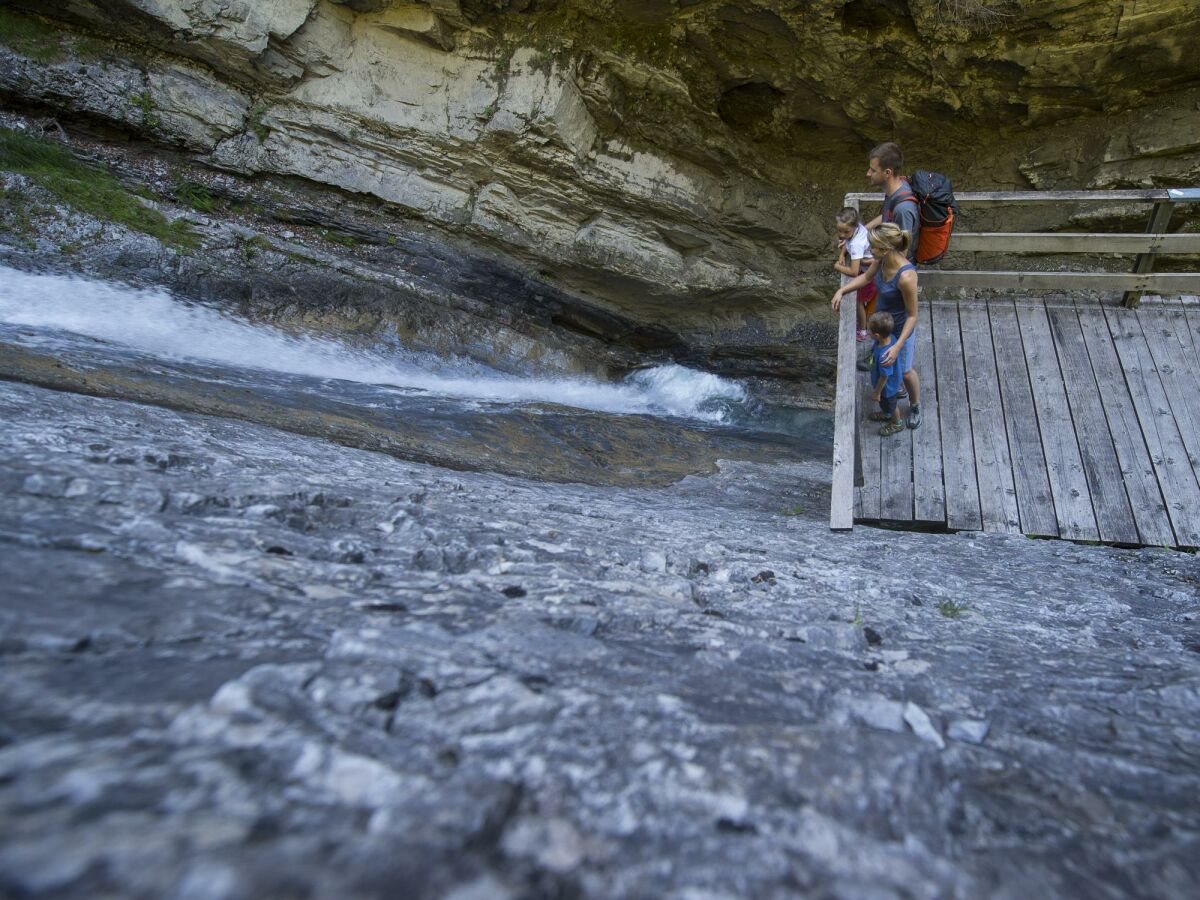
[929,493]
[1190,326]
[1142,196]
[1176,478]
[895,474]
[1137,469]
[1064,464]
[1035,503]
[993,466]
[1193,318]
[1176,366]
[1114,517]
[1034,242]
[869,492]
[958,453]
[841,503]
[1162,282]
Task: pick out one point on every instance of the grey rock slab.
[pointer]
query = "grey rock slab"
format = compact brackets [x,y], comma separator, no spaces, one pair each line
[221,673]
[918,720]
[972,731]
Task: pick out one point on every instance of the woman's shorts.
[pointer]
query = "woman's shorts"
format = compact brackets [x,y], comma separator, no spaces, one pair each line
[905,359]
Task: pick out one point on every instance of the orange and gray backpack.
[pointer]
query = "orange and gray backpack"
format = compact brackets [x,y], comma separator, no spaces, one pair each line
[934,196]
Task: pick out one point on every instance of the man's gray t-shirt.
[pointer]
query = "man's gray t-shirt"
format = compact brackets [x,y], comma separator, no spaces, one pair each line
[907,215]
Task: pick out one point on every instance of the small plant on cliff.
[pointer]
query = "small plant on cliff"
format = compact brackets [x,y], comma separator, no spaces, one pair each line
[30,37]
[254,121]
[976,13]
[339,237]
[86,188]
[145,103]
[195,195]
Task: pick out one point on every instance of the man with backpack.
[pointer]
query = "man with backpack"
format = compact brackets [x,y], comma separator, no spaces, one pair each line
[885,166]
[922,204]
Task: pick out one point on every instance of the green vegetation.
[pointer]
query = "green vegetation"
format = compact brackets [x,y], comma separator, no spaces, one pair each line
[796,510]
[196,195]
[987,13]
[504,63]
[86,188]
[254,121]
[145,103]
[952,610]
[18,213]
[89,48]
[858,619]
[339,237]
[30,37]
[250,249]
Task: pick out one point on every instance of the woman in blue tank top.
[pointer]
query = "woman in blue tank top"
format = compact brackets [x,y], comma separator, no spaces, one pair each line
[895,281]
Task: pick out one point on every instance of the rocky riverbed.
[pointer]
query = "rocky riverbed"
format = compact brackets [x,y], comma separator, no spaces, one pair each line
[239,662]
[426,495]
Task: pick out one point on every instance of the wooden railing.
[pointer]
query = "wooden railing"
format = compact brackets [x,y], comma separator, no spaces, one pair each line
[847,463]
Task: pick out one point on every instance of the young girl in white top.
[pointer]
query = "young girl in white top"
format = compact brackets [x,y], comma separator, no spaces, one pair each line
[854,258]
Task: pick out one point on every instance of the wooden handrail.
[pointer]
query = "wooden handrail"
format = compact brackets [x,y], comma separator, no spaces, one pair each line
[1139,282]
[1147,246]
[1039,242]
[1169,195]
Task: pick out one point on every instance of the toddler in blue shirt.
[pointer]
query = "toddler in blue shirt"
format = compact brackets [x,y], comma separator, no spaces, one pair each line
[887,380]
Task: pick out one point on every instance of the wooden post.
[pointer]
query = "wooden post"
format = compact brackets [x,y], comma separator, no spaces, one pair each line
[1160,218]
[847,462]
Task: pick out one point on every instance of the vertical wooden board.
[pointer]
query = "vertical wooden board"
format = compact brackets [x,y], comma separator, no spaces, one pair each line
[1035,503]
[870,452]
[841,502]
[1188,332]
[1064,464]
[895,475]
[1137,469]
[993,466]
[929,492]
[1193,320]
[1181,492]
[1114,517]
[1176,364]
[958,453]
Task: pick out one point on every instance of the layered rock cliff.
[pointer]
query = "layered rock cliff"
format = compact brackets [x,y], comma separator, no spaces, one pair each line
[672,163]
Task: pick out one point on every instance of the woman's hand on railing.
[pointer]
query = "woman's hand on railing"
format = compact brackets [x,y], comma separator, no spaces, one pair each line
[836,303]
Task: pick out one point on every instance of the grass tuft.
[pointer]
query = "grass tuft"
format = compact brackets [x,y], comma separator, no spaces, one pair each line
[196,195]
[30,37]
[952,610]
[86,188]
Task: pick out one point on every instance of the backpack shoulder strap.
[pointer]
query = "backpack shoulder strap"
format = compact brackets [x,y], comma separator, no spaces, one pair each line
[906,194]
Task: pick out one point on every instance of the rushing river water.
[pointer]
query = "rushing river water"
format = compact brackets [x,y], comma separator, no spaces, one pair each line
[153,322]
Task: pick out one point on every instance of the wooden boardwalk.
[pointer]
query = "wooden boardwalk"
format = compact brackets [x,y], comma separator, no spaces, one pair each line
[1048,417]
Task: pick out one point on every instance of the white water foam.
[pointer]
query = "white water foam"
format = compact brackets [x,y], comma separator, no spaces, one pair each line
[152,321]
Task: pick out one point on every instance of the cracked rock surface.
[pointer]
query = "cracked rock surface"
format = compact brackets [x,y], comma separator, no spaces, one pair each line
[239,662]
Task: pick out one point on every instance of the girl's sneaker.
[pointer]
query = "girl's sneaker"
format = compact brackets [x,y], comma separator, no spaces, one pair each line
[863,335]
